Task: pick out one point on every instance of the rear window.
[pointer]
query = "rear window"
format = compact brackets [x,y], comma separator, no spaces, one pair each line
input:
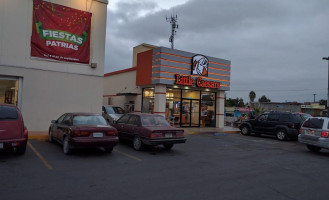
[8,113]
[313,123]
[89,120]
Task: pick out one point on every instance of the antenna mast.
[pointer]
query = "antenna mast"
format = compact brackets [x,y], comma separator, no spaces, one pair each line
[174,25]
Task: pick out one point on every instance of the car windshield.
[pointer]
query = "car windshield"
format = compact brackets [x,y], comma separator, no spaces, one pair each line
[89,120]
[152,120]
[8,113]
[306,116]
[114,110]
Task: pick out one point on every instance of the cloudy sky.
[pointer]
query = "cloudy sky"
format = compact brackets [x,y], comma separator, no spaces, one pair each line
[275,47]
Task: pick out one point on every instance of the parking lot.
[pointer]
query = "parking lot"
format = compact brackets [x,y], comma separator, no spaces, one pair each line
[208,166]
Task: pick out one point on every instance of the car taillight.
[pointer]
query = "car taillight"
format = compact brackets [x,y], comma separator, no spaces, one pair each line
[25,133]
[156,135]
[300,131]
[112,133]
[76,132]
[325,134]
[179,134]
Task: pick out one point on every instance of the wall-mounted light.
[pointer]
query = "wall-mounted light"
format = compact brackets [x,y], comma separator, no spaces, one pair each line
[93,65]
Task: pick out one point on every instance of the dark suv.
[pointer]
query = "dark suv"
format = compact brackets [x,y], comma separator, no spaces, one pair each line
[281,124]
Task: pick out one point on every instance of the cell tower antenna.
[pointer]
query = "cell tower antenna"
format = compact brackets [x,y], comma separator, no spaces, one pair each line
[174,26]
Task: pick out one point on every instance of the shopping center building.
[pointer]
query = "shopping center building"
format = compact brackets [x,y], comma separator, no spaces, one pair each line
[52,57]
[187,88]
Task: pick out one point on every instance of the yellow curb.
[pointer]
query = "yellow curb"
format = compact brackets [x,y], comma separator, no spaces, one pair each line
[38,137]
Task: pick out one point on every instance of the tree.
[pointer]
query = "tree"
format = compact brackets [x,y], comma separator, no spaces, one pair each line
[238,102]
[264,99]
[323,102]
[252,96]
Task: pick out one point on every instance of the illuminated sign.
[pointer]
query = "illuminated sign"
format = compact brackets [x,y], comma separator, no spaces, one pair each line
[200,65]
[199,82]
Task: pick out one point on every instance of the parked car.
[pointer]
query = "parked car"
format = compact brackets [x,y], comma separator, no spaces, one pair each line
[13,132]
[304,116]
[148,129]
[281,124]
[112,113]
[78,130]
[315,133]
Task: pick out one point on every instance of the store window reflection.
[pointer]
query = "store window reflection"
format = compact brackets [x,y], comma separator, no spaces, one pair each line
[208,117]
[148,100]
[9,91]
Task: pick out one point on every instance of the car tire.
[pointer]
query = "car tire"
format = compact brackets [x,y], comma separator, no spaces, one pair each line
[137,143]
[281,134]
[245,130]
[313,148]
[67,150]
[50,137]
[108,149]
[21,150]
[168,146]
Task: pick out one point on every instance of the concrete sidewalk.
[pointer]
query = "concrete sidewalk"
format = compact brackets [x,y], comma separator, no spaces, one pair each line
[43,135]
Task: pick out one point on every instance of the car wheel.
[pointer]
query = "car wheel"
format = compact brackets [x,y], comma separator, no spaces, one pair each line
[108,149]
[245,130]
[66,146]
[281,134]
[21,150]
[313,148]
[168,146]
[137,143]
[51,139]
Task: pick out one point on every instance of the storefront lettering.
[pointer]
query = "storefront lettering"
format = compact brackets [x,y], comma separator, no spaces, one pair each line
[199,82]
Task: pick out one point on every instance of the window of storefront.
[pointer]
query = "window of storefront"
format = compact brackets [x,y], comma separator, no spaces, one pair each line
[148,100]
[208,107]
[9,92]
[173,106]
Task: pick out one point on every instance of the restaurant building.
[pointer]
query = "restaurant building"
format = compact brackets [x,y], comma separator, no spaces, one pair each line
[187,88]
[52,57]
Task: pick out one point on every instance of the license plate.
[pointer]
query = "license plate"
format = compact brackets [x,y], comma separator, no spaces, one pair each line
[1,145]
[98,134]
[168,135]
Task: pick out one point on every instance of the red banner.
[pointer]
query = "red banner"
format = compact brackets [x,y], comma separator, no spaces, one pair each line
[60,33]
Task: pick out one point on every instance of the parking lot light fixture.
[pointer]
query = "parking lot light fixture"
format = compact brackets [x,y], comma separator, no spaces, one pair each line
[327,58]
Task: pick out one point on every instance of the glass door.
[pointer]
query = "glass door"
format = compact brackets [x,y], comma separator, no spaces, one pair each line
[190,115]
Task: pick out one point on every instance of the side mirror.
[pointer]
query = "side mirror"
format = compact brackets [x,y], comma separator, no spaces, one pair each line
[53,121]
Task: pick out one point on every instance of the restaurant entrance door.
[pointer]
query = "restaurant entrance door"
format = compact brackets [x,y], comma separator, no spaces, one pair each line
[190,115]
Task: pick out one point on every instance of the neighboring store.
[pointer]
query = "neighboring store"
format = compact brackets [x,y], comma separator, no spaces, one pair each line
[187,88]
[52,57]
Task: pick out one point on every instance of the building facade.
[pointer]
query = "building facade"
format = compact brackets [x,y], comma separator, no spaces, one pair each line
[46,88]
[187,88]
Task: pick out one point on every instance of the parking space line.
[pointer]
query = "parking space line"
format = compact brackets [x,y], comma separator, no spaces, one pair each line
[40,156]
[127,155]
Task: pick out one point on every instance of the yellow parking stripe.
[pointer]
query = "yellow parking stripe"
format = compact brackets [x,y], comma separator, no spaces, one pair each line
[40,156]
[129,156]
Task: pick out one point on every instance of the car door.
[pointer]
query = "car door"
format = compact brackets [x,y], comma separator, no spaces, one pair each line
[131,126]
[272,122]
[63,126]
[55,129]
[260,123]
[120,125]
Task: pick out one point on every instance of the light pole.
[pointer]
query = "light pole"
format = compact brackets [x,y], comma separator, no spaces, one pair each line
[327,58]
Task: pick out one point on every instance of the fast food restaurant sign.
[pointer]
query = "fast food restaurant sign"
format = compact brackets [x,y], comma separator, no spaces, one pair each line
[60,33]
[199,67]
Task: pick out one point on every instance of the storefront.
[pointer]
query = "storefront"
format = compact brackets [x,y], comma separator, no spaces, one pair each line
[187,88]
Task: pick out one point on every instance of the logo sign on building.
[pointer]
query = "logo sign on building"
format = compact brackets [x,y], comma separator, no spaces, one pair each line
[200,65]
[60,33]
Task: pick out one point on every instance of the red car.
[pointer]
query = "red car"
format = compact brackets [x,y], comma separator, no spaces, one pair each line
[148,129]
[13,133]
[82,130]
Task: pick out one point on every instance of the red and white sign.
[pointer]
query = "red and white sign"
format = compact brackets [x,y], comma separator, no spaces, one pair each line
[60,33]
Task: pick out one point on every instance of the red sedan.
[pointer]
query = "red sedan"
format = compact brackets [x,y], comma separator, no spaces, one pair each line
[13,133]
[78,130]
[148,129]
